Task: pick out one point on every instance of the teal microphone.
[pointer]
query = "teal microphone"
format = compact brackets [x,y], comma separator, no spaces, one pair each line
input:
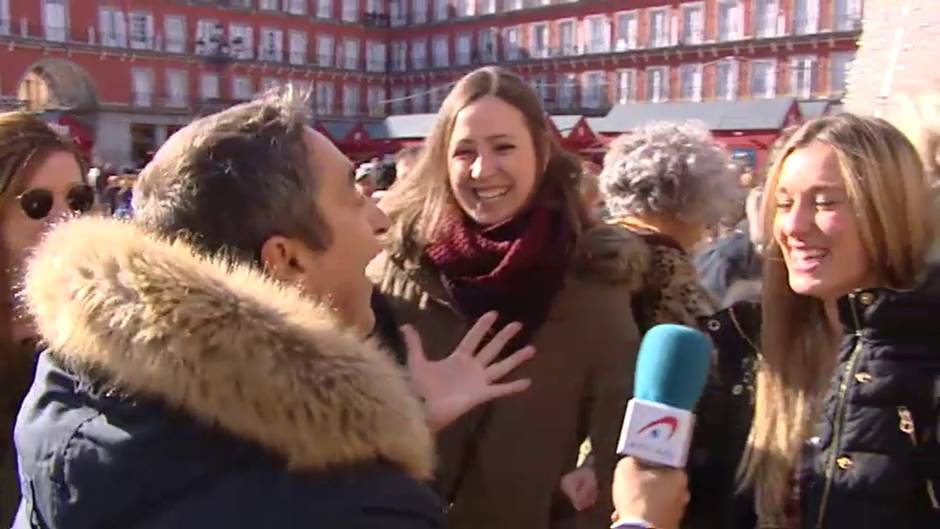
[671,371]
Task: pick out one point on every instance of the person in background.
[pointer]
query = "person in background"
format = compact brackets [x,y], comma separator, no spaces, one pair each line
[41,181]
[491,219]
[366,179]
[847,400]
[668,182]
[221,346]
[406,160]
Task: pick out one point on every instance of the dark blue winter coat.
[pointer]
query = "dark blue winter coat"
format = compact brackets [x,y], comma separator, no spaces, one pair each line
[179,393]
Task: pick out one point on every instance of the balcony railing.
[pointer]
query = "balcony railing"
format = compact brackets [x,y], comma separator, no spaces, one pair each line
[375,20]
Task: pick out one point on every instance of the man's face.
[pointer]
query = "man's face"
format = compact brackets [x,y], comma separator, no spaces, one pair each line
[336,276]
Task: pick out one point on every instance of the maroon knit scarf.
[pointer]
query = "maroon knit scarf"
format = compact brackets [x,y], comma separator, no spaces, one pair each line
[515,268]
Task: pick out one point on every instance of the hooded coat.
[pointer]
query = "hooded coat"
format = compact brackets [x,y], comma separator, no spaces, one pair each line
[178,391]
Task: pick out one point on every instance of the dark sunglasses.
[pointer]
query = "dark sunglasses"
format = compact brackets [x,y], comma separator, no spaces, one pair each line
[38,202]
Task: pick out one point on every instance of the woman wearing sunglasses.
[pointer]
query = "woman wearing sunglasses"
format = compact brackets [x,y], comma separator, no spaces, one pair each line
[40,182]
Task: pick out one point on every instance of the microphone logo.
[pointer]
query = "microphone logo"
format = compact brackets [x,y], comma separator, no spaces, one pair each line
[664,427]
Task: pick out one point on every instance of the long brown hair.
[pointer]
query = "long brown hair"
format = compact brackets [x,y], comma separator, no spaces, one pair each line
[887,189]
[418,204]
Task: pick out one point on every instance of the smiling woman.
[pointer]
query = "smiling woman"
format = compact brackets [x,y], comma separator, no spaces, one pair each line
[849,333]
[490,219]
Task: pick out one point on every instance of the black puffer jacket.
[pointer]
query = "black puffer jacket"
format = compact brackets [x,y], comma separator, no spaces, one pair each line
[875,458]
[723,420]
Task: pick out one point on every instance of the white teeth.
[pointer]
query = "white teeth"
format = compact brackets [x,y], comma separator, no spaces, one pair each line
[809,254]
[490,194]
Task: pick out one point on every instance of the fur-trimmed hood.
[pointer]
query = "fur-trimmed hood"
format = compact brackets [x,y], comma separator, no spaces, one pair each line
[224,344]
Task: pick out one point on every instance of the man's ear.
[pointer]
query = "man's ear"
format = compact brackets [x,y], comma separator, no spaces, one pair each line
[281,258]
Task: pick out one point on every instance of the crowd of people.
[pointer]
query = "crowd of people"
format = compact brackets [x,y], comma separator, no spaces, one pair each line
[254,332]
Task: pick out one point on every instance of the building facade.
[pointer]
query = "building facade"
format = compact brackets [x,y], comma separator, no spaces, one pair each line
[132,71]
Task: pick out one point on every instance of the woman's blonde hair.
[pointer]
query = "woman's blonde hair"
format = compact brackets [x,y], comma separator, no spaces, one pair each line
[418,204]
[887,190]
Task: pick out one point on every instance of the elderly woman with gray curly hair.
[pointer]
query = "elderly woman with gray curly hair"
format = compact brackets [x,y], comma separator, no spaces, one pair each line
[668,182]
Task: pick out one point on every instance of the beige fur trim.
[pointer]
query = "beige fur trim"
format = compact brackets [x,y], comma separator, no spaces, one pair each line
[613,254]
[223,343]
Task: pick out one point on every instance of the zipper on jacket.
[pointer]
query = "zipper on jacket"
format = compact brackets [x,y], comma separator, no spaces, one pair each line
[840,415]
[907,426]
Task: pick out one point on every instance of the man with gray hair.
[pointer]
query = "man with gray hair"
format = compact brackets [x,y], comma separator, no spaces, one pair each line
[208,364]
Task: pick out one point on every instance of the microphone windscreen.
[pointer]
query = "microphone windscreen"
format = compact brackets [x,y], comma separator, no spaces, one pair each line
[673,366]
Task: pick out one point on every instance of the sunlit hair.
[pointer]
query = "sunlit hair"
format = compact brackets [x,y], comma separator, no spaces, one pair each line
[25,141]
[418,204]
[887,191]
[676,170]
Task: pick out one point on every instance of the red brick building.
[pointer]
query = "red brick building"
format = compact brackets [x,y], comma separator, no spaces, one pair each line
[126,73]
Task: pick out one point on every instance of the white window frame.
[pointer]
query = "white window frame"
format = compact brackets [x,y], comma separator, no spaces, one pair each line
[267,54]
[768,92]
[799,87]
[572,48]
[733,81]
[697,36]
[326,58]
[352,105]
[146,42]
[142,98]
[591,43]
[375,101]
[116,35]
[660,40]
[247,34]
[849,57]
[512,52]
[421,44]
[697,70]
[55,34]
[269,5]
[325,9]
[592,92]
[204,82]
[326,98]
[632,41]
[440,56]
[847,15]
[419,99]
[5,24]
[399,12]
[399,99]
[663,94]
[466,8]
[768,25]
[242,88]
[512,5]
[567,88]
[492,55]
[205,30]
[487,7]
[421,8]
[436,97]
[376,56]
[295,7]
[535,50]
[464,54]
[806,23]
[177,98]
[626,92]
[297,56]
[441,10]
[174,45]
[350,11]
[735,21]
[351,60]
[541,84]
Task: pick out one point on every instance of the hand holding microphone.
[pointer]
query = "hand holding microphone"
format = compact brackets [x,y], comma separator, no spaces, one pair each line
[672,368]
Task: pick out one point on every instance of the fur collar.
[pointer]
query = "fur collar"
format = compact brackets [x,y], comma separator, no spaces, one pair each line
[223,343]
